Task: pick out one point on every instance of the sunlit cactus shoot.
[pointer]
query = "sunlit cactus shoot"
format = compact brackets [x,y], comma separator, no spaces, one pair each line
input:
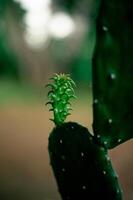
[61,91]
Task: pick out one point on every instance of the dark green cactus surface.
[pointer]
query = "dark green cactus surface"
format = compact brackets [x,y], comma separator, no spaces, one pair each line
[113,73]
[83,169]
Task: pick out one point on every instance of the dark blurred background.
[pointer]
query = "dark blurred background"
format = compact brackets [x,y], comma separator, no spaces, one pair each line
[37,39]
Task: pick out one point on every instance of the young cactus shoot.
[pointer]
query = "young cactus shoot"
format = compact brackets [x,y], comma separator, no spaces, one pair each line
[61,91]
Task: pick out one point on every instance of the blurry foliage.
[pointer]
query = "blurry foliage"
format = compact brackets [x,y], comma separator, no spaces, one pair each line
[75,58]
[66,5]
[82,64]
[70,55]
[8,59]
[79,61]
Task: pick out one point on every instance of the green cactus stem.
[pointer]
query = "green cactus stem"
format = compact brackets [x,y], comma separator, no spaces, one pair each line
[113,73]
[82,168]
[59,97]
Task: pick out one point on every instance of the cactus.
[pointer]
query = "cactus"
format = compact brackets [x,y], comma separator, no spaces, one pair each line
[82,167]
[79,160]
[112,73]
[59,95]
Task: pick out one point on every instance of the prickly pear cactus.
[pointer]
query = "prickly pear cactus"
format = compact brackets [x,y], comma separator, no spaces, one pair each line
[80,161]
[113,73]
[82,168]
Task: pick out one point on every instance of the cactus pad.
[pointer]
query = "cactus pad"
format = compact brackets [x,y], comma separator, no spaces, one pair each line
[82,169]
[113,74]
